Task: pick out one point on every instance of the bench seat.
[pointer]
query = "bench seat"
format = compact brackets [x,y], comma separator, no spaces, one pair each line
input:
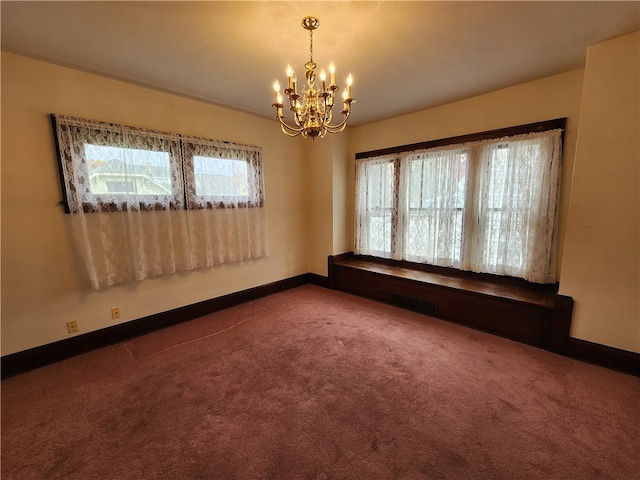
[529,313]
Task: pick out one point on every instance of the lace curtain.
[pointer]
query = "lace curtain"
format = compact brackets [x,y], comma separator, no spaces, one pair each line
[436,183]
[140,208]
[487,206]
[376,207]
[513,213]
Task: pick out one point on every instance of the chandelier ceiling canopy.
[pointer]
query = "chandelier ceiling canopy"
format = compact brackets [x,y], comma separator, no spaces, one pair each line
[312,105]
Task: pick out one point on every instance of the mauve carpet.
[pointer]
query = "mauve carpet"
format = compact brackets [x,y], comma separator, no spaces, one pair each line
[316,384]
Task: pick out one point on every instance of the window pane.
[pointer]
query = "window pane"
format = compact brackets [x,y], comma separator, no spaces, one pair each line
[496,195]
[127,171]
[509,199]
[380,182]
[219,176]
[375,200]
[498,177]
[436,189]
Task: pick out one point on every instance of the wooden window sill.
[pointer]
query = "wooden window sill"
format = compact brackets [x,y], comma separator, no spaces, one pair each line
[534,295]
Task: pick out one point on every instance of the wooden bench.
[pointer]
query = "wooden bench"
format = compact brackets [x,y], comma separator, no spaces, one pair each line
[522,311]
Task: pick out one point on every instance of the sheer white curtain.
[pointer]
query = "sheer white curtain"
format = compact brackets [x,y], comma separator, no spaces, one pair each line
[515,198]
[487,206]
[125,191]
[435,205]
[225,198]
[376,207]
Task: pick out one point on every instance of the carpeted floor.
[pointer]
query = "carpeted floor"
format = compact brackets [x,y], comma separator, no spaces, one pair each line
[316,384]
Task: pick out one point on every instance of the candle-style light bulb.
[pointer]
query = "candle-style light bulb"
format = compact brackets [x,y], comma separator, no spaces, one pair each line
[349,82]
[276,88]
[279,104]
[289,74]
[332,70]
[323,78]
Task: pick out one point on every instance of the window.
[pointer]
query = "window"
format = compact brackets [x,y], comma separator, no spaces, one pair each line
[485,203]
[436,206]
[380,199]
[114,167]
[149,203]
[107,167]
[219,175]
[127,171]
[220,178]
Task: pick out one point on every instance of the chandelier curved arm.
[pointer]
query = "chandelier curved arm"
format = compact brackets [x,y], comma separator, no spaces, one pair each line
[319,131]
[288,130]
[339,127]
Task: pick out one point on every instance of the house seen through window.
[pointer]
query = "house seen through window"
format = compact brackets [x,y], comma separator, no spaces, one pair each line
[128,171]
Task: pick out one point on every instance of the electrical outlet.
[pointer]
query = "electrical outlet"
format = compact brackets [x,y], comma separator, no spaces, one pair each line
[72,327]
[115,312]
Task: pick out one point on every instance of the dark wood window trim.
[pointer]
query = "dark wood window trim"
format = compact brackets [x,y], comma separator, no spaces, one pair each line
[473,137]
[488,278]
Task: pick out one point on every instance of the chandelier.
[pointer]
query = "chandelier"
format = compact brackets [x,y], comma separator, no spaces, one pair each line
[313,105]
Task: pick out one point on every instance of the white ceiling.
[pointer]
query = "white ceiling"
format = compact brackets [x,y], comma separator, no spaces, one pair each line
[404,56]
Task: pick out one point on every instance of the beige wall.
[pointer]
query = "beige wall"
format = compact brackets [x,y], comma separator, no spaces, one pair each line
[546,99]
[341,188]
[601,262]
[327,196]
[43,285]
[318,190]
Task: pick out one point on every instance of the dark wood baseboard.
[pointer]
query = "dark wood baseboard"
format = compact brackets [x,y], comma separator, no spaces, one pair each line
[331,261]
[319,280]
[21,362]
[26,360]
[603,355]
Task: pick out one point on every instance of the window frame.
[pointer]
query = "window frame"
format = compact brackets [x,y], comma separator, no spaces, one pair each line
[452,211]
[546,125]
[183,183]
[224,151]
[397,244]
